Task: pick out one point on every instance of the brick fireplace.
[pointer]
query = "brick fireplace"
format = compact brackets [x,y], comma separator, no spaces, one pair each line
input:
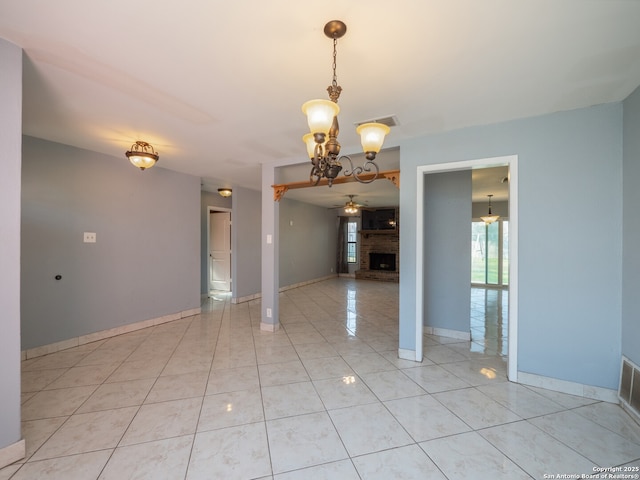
[379,255]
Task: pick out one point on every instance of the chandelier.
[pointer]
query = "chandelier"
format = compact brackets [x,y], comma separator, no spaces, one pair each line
[322,141]
[142,155]
[489,218]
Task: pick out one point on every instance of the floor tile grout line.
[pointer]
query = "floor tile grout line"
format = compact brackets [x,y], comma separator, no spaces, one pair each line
[124,432]
[204,394]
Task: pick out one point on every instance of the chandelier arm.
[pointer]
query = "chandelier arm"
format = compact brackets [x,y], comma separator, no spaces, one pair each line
[368,167]
[314,176]
[318,154]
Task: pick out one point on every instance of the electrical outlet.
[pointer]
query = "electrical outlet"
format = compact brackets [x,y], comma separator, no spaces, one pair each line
[89,237]
[268,313]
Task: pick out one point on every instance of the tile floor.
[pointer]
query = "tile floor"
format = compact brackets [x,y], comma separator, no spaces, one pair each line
[489,320]
[213,397]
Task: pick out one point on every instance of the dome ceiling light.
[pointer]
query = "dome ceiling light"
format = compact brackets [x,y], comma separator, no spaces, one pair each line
[142,155]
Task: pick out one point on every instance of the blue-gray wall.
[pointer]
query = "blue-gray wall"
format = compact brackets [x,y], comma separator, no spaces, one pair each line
[308,241]
[246,257]
[631,230]
[447,250]
[570,262]
[10,158]
[145,263]
[208,199]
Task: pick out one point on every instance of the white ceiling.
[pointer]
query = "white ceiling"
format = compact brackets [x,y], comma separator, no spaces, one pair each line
[216,87]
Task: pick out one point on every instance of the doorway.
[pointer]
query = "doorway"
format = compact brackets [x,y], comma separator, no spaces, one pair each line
[512,163]
[219,249]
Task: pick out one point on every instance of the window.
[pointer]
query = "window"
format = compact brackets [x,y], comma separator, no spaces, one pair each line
[352,239]
[490,253]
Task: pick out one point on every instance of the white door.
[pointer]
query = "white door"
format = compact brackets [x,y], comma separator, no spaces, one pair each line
[220,251]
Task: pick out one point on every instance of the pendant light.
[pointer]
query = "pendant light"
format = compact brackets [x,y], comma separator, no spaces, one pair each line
[489,218]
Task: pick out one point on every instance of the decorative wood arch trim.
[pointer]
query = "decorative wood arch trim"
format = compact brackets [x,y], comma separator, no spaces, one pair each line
[280,189]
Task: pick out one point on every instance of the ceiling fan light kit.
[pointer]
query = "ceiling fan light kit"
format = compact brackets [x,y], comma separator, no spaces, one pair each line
[350,207]
[322,143]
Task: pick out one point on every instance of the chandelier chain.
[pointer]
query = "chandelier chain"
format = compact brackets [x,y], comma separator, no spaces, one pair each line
[335,56]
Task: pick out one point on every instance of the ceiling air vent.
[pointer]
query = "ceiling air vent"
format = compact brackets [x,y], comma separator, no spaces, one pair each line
[390,121]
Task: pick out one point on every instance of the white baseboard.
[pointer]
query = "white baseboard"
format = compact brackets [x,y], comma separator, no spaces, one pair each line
[308,282]
[443,332]
[246,298]
[12,453]
[269,327]
[112,332]
[571,388]
[256,296]
[410,355]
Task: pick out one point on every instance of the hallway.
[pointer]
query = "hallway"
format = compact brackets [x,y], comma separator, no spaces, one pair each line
[213,397]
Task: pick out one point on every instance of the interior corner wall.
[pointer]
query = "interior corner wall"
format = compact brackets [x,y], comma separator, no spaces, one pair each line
[10,160]
[308,242]
[569,265]
[145,262]
[208,199]
[246,256]
[631,229]
[447,250]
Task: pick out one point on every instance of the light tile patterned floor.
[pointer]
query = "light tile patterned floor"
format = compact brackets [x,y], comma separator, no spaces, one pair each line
[213,397]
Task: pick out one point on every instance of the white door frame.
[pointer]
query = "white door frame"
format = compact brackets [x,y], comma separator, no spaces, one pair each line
[512,162]
[211,210]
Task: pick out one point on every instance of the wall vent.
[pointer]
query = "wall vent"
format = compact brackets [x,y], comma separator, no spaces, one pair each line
[629,391]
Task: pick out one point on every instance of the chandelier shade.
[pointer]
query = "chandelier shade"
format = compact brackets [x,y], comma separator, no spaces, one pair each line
[142,155]
[320,114]
[310,142]
[372,136]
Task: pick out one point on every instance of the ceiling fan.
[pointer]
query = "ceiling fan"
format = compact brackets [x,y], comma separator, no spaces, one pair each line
[351,207]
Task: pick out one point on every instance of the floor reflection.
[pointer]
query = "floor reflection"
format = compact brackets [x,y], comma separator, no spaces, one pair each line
[489,320]
[352,313]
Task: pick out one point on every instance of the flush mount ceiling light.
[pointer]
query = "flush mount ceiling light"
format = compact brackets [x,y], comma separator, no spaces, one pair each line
[350,207]
[142,155]
[322,141]
[489,218]
[224,192]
